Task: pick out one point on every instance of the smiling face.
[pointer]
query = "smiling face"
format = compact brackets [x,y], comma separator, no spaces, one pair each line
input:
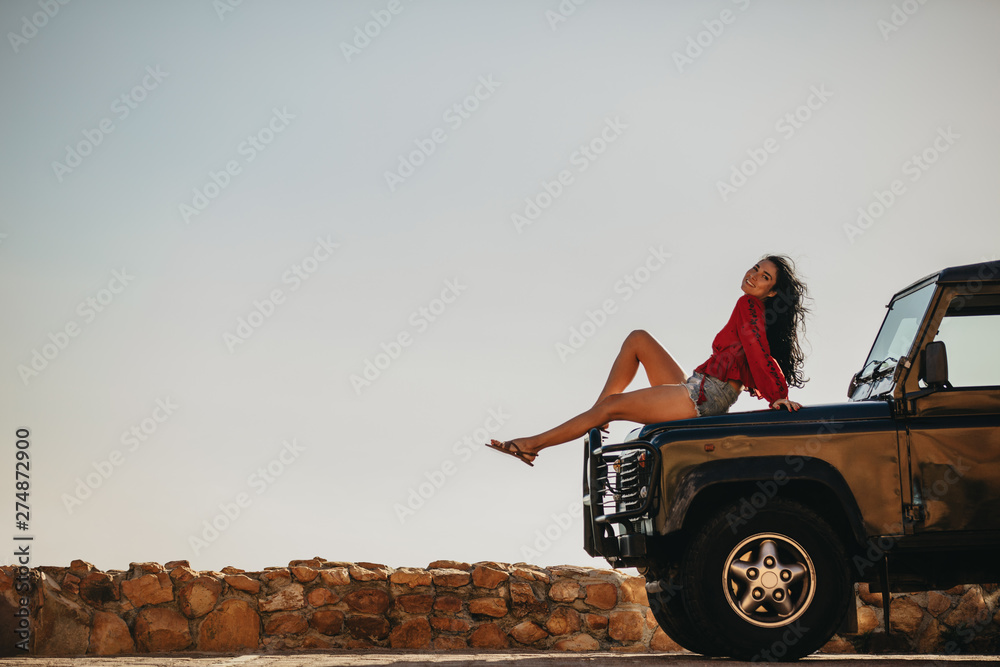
[760,279]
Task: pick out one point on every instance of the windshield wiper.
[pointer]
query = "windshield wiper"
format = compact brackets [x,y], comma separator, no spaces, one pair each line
[878,371]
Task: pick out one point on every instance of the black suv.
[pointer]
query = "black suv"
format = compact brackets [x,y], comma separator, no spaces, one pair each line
[752,528]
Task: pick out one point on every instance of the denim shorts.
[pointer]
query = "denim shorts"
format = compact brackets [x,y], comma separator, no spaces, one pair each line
[719,395]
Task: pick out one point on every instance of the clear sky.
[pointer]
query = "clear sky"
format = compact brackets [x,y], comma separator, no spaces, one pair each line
[283,267]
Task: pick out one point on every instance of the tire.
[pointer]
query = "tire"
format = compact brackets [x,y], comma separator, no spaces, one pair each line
[667,606]
[787,557]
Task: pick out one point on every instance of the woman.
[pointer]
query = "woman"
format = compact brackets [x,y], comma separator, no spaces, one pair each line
[758,350]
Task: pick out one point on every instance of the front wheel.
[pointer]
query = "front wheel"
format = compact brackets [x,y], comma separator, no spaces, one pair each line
[773,587]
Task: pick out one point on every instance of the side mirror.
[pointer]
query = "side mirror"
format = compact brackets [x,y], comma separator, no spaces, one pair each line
[934,365]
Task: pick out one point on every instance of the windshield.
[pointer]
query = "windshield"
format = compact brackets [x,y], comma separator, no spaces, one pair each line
[895,338]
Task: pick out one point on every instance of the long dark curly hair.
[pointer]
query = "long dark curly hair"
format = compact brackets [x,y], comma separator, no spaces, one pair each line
[784,318]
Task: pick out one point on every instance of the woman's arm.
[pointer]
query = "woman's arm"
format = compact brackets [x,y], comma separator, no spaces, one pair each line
[768,379]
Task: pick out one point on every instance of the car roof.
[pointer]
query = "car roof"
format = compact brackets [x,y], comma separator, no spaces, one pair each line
[981,272]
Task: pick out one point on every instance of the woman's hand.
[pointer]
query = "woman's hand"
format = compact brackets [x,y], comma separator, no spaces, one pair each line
[788,405]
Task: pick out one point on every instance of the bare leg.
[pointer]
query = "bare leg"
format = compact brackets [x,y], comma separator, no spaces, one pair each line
[640,348]
[645,406]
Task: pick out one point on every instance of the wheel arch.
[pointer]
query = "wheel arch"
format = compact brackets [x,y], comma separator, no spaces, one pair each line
[754,481]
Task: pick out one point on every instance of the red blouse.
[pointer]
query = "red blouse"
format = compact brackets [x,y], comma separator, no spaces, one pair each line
[741,352]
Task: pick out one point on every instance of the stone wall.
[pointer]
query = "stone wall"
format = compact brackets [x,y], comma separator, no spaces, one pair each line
[316,604]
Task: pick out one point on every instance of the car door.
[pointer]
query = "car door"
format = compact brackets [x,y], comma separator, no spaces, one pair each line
[953,430]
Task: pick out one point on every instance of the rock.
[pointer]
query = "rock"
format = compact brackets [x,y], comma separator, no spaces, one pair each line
[316,642]
[449,624]
[110,635]
[285,624]
[241,582]
[905,615]
[276,579]
[62,625]
[415,604]
[368,600]
[198,596]
[412,577]
[867,620]
[285,599]
[564,591]
[488,635]
[930,640]
[662,642]
[232,628]
[449,565]
[970,611]
[368,627]
[602,596]
[319,597]
[182,574]
[327,621]
[937,603]
[359,573]
[563,621]
[488,577]
[304,574]
[577,643]
[414,634]
[229,569]
[528,573]
[136,570]
[528,632]
[161,630]
[338,576]
[596,622]
[171,564]
[98,589]
[869,597]
[148,589]
[71,584]
[495,607]
[837,645]
[315,563]
[626,626]
[447,643]
[651,621]
[524,600]
[81,568]
[634,590]
[450,577]
[448,603]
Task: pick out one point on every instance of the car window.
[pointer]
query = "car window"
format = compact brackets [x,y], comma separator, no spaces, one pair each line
[970,331]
